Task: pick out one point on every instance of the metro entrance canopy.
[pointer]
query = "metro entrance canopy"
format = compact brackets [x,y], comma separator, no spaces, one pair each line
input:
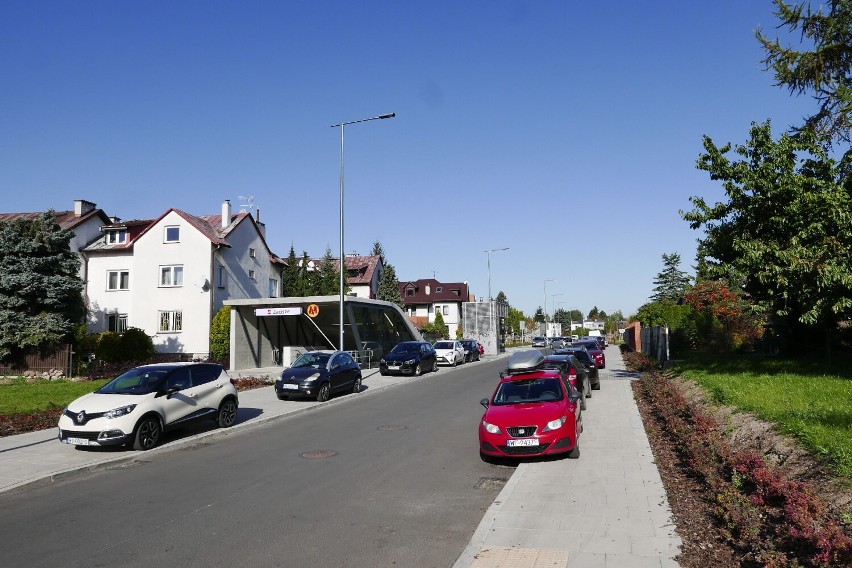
[265,330]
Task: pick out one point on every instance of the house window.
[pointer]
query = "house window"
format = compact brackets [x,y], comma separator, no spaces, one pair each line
[409,292]
[117,323]
[172,234]
[171,321]
[252,253]
[118,280]
[273,288]
[446,310]
[221,278]
[251,274]
[439,289]
[171,276]
[116,237]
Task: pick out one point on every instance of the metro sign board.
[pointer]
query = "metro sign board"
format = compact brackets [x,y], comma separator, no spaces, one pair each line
[278,311]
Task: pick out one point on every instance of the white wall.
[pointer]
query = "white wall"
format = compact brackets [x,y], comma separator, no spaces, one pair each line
[103,301]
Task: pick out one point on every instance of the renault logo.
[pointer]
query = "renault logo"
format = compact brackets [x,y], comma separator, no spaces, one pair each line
[81,417]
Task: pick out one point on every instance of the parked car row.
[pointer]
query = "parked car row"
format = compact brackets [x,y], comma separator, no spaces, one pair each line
[138,406]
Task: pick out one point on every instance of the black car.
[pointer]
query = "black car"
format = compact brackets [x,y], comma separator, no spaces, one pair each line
[319,374]
[582,355]
[471,350]
[409,358]
[569,367]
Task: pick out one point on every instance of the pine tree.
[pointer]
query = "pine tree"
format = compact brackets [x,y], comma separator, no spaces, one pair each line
[328,280]
[291,275]
[389,287]
[41,298]
[671,283]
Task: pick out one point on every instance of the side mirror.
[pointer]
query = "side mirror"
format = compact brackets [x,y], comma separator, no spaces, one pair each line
[575,396]
[484,402]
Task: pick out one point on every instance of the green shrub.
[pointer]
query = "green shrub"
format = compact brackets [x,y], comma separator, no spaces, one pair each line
[220,335]
[136,345]
[109,347]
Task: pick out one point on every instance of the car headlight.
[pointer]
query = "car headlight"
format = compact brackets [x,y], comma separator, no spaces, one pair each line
[411,361]
[555,424]
[313,377]
[491,428]
[121,411]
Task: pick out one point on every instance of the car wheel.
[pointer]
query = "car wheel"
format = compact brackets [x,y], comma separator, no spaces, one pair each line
[356,388]
[383,373]
[435,367]
[147,433]
[575,453]
[454,363]
[596,386]
[227,415]
[493,460]
[283,397]
[418,370]
[324,392]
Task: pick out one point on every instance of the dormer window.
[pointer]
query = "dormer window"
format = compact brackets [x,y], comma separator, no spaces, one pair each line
[252,253]
[439,289]
[116,237]
[409,292]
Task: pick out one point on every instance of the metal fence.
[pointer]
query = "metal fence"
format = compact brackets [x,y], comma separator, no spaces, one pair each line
[655,342]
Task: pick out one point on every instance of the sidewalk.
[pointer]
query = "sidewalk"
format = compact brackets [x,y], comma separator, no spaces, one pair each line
[606,509]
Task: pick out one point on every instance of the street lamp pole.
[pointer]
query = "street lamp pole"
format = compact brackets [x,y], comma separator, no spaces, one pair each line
[545,298]
[553,303]
[489,268]
[343,126]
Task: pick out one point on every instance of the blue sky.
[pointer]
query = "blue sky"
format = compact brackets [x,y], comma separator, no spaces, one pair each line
[565,130]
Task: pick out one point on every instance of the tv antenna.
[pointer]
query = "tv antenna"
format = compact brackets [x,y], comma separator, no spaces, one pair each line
[249,199]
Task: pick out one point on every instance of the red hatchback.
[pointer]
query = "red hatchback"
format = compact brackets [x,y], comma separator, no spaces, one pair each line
[594,349]
[531,414]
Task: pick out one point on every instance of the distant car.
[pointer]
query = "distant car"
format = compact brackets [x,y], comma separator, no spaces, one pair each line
[594,349]
[449,352]
[573,371]
[471,350]
[409,358]
[319,374]
[556,342]
[540,342]
[139,405]
[586,359]
[531,413]
[481,349]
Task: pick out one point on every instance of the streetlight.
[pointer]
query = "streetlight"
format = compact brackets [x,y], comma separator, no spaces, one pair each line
[489,268]
[545,298]
[343,126]
[553,303]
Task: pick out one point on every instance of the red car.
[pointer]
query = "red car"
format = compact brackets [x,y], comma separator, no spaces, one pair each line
[531,414]
[594,349]
[481,349]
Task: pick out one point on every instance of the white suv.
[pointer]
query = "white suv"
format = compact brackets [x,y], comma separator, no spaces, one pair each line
[138,406]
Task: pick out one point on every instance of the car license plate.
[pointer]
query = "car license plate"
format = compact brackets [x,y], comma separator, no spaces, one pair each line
[393,364]
[77,441]
[287,386]
[523,442]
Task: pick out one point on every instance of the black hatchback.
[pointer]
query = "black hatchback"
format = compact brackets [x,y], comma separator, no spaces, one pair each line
[319,374]
[409,358]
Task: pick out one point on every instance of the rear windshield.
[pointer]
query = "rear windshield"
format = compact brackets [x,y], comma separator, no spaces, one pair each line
[529,390]
[443,345]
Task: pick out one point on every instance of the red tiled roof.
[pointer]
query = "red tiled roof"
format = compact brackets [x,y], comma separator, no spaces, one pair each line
[65,219]
[450,291]
[365,266]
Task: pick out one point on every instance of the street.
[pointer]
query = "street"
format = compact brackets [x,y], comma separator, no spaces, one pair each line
[405,486]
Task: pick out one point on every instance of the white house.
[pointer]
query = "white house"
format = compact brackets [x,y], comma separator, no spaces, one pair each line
[426,297]
[169,276]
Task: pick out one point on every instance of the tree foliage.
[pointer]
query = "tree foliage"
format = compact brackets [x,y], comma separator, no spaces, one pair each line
[326,282]
[785,229]
[825,70]
[671,283]
[539,315]
[220,334]
[41,298]
[389,286]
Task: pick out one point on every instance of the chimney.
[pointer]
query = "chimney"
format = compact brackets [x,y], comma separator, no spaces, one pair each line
[81,207]
[226,213]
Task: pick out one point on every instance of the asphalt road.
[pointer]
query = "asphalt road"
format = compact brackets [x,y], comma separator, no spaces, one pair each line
[405,487]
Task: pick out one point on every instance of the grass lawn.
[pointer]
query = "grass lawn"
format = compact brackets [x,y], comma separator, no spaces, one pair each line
[807,400]
[21,396]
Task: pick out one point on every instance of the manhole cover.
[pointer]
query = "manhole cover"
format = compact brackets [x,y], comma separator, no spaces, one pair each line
[392,428]
[490,483]
[318,454]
